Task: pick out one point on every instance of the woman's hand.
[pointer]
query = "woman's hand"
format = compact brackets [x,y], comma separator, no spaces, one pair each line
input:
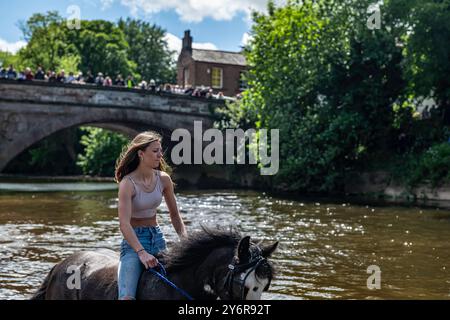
[147,259]
[183,236]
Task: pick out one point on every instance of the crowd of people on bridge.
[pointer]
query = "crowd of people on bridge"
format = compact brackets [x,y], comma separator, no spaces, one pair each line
[106,81]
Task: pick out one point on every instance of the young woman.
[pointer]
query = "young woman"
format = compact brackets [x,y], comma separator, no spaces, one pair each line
[143,180]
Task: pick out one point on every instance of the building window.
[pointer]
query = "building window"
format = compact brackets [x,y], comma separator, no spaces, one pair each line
[186,77]
[217,78]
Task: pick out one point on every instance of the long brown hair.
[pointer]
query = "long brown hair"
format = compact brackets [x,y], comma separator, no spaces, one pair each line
[128,160]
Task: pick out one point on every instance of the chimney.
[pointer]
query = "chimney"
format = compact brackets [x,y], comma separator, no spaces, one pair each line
[187,41]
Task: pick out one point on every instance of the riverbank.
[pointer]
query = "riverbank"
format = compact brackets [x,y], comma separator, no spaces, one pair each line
[381,185]
[28,178]
[363,194]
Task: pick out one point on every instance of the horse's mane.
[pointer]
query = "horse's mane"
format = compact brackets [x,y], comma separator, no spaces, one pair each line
[199,245]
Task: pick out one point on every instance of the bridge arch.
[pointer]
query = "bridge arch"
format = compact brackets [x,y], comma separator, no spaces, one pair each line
[33,111]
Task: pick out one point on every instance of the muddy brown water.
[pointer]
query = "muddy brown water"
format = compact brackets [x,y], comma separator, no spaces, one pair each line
[325,247]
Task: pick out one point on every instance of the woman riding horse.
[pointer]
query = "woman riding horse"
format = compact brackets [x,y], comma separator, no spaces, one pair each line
[143,180]
[193,264]
[209,264]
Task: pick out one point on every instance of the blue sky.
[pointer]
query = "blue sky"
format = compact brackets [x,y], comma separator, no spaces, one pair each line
[214,24]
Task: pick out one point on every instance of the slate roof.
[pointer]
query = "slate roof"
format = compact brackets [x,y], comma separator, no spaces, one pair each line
[216,56]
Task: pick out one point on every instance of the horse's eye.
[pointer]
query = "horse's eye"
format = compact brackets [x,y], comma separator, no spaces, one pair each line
[255,289]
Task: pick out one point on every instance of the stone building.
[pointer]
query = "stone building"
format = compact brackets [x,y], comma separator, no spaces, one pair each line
[220,70]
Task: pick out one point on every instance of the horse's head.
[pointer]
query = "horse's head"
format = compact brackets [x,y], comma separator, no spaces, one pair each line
[219,263]
[249,272]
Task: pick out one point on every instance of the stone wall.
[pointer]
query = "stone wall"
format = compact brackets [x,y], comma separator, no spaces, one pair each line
[380,184]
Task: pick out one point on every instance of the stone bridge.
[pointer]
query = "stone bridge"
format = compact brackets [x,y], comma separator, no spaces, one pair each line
[32,111]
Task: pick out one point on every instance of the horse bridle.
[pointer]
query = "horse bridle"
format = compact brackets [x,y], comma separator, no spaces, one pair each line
[235,268]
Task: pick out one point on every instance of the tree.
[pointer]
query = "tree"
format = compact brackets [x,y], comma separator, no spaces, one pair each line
[101,149]
[149,50]
[7,58]
[46,40]
[99,46]
[102,47]
[328,83]
[426,36]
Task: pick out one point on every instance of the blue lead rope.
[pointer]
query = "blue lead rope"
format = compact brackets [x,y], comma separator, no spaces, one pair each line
[163,276]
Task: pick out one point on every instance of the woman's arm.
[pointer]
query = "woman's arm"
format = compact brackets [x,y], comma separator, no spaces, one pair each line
[169,197]
[125,195]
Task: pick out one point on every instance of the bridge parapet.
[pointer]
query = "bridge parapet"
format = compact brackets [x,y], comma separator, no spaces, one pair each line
[97,96]
[31,111]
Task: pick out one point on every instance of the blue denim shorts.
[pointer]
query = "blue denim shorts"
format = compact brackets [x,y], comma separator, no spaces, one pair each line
[130,266]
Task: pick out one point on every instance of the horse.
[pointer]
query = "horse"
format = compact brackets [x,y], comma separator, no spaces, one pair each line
[211,264]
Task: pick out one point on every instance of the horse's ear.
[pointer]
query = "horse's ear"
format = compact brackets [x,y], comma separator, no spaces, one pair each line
[267,251]
[244,249]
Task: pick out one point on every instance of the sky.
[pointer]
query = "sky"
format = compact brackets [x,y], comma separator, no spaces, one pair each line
[214,24]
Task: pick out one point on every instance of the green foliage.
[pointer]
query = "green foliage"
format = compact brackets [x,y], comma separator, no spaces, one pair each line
[426,39]
[149,50]
[327,82]
[345,97]
[130,47]
[234,115]
[429,167]
[70,63]
[102,47]
[46,40]
[43,155]
[7,58]
[435,164]
[101,149]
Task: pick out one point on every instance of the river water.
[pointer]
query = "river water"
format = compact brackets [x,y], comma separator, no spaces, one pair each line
[326,246]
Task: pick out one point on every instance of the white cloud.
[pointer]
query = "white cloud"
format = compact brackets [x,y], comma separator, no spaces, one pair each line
[204,45]
[175,43]
[246,38]
[197,10]
[11,47]
[106,4]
